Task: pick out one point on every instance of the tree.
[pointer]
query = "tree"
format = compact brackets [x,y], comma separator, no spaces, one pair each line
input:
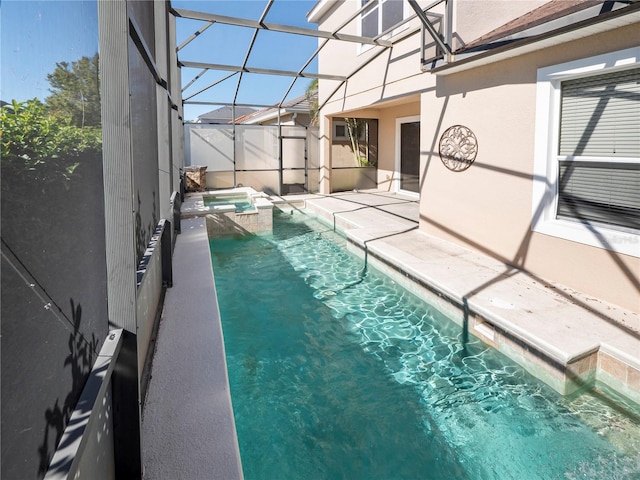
[75,91]
[312,95]
[357,129]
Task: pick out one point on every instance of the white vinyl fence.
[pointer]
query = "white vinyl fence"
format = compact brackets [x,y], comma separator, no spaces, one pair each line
[281,160]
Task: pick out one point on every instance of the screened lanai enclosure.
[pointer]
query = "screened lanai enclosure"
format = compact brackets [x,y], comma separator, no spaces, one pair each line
[266,67]
[275,149]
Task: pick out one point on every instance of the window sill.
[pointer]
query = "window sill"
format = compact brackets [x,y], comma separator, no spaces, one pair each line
[619,241]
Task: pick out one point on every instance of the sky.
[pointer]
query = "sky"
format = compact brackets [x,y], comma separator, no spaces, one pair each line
[35,35]
[228,45]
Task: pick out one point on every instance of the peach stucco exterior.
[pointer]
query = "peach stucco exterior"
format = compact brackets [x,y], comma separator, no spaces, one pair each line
[473,18]
[488,207]
[493,210]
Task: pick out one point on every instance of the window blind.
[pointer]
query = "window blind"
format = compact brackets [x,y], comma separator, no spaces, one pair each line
[391,13]
[370,22]
[600,115]
[380,16]
[602,192]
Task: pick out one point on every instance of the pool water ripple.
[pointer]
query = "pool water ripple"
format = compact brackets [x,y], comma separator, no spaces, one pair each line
[459,410]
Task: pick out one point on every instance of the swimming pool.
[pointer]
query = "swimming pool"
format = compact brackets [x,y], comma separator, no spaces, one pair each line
[337,372]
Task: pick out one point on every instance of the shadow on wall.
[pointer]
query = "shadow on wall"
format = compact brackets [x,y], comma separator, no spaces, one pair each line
[517,263]
[144,233]
[53,245]
[80,360]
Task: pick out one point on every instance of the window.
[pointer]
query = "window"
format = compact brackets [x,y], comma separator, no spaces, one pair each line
[340,130]
[599,124]
[380,16]
[587,158]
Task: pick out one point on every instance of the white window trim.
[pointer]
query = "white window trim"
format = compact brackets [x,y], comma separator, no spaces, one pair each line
[545,170]
[362,48]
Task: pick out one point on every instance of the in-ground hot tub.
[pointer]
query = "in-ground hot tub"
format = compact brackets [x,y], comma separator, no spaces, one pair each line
[238,210]
[241,203]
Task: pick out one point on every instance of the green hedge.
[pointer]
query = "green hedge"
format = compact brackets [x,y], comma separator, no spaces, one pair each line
[48,145]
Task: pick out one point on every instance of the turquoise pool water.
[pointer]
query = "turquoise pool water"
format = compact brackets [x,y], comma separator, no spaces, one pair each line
[241,203]
[339,373]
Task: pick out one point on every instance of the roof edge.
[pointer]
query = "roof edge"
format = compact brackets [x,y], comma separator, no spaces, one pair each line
[529,44]
[319,10]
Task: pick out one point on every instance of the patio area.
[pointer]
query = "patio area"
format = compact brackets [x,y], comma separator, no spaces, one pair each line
[564,337]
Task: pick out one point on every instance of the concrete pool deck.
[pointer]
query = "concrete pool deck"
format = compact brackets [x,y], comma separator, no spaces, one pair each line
[188,428]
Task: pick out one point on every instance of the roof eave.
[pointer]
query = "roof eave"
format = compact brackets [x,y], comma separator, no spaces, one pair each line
[319,10]
[274,114]
[575,31]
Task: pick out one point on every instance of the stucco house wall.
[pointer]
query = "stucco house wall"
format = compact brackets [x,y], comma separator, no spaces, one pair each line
[473,18]
[386,75]
[387,87]
[397,71]
[489,206]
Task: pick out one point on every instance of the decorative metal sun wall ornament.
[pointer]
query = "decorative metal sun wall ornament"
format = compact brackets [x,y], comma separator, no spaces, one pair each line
[458,148]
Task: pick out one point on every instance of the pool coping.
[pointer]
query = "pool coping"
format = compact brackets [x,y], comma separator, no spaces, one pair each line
[561,336]
[188,425]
